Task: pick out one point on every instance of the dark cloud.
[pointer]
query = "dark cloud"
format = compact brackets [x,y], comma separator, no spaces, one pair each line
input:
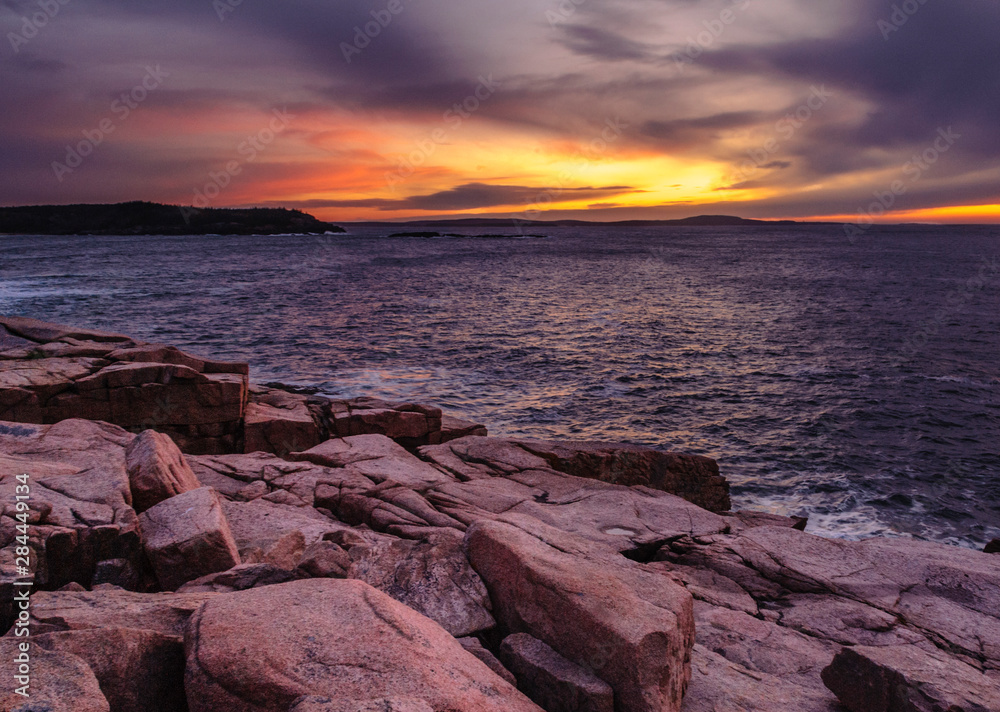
[601,44]
[940,68]
[473,196]
[686,133]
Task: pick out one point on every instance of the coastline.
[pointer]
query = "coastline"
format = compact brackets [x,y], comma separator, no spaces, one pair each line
[146,219]
[554,561]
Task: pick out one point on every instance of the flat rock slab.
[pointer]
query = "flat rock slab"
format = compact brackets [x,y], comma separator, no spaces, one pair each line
[945,596]
[908,679]
[44,332]
[82,445]
[163,353]
[231,474]
[551,680]
[187,537]
[692,477]
[632,628]
[749,519]
[710,586]
[813,595]
[844,621]
[49,376]
[950,593]
[338,639]
[376,457]
[53,373]
[623,518]
[166,613]
[475,457]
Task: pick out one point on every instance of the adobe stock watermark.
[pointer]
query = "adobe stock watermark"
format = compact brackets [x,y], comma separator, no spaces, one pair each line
[785,128]
[657,258]
[121,109]
[592,151]
[453,118]
[365,34]
[34,23]
[914,169]
[955,303]
[563,11]
[698,44]
[246,152]
[224,8]
[901,14]
[20,511]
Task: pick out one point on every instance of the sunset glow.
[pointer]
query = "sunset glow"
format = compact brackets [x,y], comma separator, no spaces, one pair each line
[599,110]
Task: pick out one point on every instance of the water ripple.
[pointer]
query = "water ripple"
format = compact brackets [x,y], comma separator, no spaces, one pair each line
[858,385]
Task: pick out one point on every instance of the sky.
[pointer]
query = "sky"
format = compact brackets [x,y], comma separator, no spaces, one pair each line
[853,110]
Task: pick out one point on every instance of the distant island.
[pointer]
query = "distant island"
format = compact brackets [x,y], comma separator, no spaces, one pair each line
[145,218]
[142,218]
[696,221]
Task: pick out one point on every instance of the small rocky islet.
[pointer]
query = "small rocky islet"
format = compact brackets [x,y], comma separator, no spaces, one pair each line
[202,543]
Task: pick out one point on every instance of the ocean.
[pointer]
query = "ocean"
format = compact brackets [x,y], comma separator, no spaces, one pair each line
[853,382]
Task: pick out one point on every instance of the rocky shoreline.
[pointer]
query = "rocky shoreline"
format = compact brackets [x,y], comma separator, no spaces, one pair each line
[198,542]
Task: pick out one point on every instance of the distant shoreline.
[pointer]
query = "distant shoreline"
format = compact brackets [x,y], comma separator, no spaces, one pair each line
[696,221]
[151,219]
[155,219]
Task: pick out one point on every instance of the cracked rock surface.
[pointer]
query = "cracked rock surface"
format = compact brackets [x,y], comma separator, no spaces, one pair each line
[335,567]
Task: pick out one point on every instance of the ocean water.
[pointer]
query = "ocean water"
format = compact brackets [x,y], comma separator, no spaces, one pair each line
[855,383]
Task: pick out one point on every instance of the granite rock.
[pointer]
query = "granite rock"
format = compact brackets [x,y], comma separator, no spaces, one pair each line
[187,536]
[552,681]
[137,670]
[156,470]
[58,682]
[907,679]
[339,639]
[631,628]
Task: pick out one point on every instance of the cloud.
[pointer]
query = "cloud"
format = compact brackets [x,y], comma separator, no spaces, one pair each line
[560,83]
[682,133]
[601,44]
[938,68]
[472,196]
